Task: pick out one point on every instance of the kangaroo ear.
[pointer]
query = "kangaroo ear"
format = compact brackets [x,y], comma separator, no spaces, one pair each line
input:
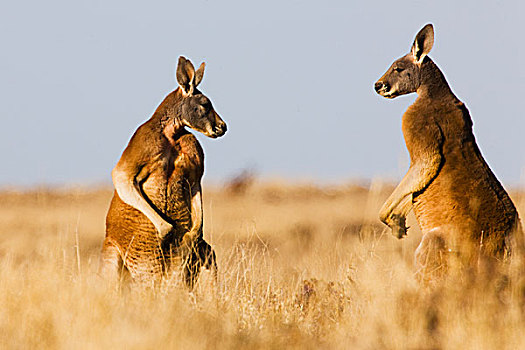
[423,43]
[185,75]
[199,74]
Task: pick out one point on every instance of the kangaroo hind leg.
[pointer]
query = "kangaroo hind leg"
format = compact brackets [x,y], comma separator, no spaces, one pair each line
[202,255]
[430,256]
[111,263]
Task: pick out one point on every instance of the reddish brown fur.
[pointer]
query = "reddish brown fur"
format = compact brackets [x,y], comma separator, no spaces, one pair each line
[460,205]
[167,162]
[465,199]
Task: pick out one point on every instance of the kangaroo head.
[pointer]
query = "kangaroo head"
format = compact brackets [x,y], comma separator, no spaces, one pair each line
[196,110]
[404,75]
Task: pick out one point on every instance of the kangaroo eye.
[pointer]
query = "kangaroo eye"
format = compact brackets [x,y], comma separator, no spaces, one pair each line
[398,69]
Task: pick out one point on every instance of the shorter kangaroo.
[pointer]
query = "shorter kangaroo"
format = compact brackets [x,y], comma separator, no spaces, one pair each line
[459,204]
[155,216]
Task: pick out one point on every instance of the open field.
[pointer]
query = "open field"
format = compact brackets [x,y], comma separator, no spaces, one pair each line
[299,267]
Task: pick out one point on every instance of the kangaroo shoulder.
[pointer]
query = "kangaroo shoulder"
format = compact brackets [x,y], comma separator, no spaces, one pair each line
[145,142]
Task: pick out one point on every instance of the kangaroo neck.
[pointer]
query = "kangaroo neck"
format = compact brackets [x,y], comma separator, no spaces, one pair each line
[167,117]
[433,85]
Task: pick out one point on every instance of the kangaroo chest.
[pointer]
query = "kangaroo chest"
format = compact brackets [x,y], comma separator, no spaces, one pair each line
[421,134]
[464,195]
[433,127]
[174,179]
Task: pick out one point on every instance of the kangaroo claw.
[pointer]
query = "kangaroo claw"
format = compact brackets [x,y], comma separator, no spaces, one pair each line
[398,226]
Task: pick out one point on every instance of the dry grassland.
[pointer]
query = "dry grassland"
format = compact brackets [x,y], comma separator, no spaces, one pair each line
[299,267]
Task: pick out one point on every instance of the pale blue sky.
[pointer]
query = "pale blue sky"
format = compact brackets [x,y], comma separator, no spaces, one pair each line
[293,80]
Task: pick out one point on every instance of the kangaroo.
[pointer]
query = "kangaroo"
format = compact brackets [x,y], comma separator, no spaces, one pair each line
[461,207]
[155,216]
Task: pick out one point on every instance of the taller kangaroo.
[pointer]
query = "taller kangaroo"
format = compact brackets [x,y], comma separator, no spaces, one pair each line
[155,217]
[462,209]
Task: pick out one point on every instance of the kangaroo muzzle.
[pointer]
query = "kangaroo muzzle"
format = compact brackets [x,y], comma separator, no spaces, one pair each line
[382,87]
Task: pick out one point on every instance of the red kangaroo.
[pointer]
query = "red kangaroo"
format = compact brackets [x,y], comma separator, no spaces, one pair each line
[155,217]
[461,207]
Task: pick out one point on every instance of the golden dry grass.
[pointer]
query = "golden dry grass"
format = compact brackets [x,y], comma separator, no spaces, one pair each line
[299,267]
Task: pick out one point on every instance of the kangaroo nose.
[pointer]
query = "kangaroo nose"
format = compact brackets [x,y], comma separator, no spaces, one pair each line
[381,87]
[220,129]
